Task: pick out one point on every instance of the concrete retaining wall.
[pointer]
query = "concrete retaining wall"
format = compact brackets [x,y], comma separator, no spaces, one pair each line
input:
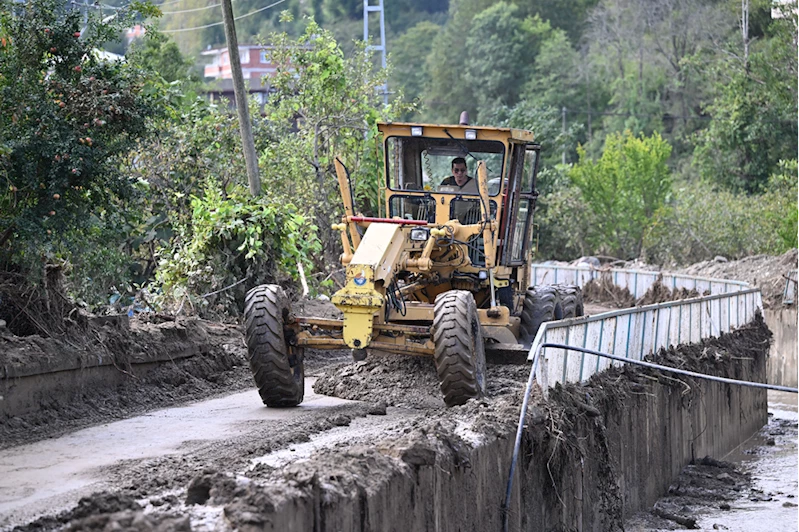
[782,363]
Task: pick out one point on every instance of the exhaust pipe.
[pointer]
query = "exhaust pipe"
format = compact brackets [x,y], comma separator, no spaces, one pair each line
[464,121]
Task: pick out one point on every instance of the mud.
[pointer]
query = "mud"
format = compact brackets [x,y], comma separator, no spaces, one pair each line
[605,293]
[659,293]
[406,381]
[240,483]
[569,429]
[766,272]
[740,494]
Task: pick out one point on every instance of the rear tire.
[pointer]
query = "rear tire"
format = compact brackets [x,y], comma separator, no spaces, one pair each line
[460,351]
[277,366]
[571,300]
[541,304]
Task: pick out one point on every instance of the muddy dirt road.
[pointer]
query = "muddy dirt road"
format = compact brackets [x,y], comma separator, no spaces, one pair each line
[52,475]
[155,461]
[228,463]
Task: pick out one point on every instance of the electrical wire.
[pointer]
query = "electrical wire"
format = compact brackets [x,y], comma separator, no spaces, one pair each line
[520,428]
[192,10]
[220,23]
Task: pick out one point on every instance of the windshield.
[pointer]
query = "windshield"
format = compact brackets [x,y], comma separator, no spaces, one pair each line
[417,163]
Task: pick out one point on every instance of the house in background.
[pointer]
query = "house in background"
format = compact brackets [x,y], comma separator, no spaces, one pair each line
[256,68]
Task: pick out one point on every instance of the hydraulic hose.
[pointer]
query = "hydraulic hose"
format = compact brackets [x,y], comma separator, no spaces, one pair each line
[520,428]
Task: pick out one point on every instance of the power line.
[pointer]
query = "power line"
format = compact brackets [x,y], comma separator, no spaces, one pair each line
[169,2]
[220,23]
[190,10]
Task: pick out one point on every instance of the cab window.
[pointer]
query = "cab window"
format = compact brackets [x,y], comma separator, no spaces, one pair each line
[417,163]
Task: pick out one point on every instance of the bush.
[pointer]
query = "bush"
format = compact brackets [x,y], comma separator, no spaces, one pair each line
[233,240]
[623,190]
[66,115]
[703,221]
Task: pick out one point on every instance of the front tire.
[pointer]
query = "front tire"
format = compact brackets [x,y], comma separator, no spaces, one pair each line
[276,365]
[459,348]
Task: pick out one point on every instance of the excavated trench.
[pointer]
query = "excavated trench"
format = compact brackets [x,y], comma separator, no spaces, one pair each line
[397,459]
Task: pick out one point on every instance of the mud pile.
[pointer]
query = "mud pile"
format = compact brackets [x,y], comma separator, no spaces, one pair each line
[660,293]
[766,272]
[604,292]
[406,381]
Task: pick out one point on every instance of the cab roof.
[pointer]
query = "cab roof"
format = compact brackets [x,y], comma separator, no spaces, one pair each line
[456,130]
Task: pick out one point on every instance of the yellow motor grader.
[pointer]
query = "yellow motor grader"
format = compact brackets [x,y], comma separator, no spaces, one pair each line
[444,273]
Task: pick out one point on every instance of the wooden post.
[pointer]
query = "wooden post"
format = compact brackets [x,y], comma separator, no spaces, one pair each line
[242,107]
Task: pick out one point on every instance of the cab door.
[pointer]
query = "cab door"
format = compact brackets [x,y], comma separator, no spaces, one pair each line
[517,232]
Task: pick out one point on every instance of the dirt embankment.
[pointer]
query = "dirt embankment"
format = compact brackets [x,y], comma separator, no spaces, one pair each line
[766,272]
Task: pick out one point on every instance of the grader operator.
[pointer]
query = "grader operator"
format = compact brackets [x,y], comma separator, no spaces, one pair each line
[444,273]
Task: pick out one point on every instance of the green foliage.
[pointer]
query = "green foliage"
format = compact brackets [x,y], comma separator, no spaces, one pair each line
[65,117]
[448,93]
[324,105]
[711,221]
[495,50]
[159,53]
[754,111]
[409,52]
[232,235]
[623,190]
[565,223]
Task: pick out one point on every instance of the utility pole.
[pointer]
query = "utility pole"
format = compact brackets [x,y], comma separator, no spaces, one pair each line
[368,8]
[563,157]
[241,99]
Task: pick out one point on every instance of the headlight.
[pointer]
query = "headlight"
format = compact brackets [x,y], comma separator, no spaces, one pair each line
[419,234]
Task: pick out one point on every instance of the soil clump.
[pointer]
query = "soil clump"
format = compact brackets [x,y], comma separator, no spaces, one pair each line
[405,381]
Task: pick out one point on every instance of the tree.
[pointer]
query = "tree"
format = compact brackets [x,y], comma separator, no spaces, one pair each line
[409,55]
[754,109]
[624,189]
[324,105]
[448,93]
[159,53]
[496,50]
[65,116]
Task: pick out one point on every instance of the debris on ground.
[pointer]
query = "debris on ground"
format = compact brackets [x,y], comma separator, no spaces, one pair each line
[766,272]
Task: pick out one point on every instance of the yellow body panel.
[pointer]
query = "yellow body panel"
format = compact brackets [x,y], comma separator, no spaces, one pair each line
[364,294]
